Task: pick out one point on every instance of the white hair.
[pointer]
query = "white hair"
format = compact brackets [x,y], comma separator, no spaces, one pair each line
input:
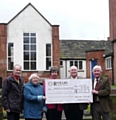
[16,66]
[31,76]
[97,66]
[73,67]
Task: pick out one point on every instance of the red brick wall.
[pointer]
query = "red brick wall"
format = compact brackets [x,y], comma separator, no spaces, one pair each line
[3,48]
[112,20]
[56,46]
[109,73]
[112,17]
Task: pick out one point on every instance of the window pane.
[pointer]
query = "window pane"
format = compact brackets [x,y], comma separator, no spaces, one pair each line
[71,63]
[26,39]
[33,40]
[26,65]
[10,49]
[26,47]
[80,65]
[76,63]
[48,63]
[25,34]
[29,51]
[33,65]
[48,49]
[26,55]
[61,62]
[33,34]
[10,63]
[33,47]
[33,55]
[110,63]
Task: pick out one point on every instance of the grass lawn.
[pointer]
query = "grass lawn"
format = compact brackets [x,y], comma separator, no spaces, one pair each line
[113,86]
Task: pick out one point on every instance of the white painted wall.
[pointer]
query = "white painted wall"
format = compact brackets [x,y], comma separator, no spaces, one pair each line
[29,21]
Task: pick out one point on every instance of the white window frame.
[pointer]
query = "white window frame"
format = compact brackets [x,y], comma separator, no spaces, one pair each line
[77,63]
[30,51]
[48,57]
[12,55]
[108,63]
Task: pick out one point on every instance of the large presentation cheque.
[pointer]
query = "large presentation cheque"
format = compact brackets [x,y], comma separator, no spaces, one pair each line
[68,91]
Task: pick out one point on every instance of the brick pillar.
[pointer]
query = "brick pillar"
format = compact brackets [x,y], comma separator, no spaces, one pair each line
[114,62]
[3,50]
[112,19]
[56,46]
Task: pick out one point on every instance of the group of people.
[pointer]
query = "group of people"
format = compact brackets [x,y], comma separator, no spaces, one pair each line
[30,98]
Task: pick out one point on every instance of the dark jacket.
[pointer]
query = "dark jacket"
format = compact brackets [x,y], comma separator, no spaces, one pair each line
[104,92]
[12,94]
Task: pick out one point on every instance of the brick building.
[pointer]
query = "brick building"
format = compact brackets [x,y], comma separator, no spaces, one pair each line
[85,54]
[30,40]
[112,38]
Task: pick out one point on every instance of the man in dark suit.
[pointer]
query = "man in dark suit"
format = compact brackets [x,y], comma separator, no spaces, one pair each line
[102,103]
[74,111]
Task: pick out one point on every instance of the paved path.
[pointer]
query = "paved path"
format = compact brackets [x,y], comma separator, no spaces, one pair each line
[63,117]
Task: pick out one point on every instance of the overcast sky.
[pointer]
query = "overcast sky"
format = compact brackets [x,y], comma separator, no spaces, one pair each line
[78,19]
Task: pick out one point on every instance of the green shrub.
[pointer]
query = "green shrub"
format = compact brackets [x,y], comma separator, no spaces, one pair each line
[113,112]
[104,75]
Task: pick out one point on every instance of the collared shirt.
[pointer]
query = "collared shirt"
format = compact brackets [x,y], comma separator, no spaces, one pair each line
[95,81]
[73,78]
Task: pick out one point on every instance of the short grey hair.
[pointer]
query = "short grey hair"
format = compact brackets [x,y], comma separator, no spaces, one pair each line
[16,65]
[97,66]
[31,76]
[73,67]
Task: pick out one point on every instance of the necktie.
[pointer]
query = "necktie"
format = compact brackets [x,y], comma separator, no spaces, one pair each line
[96,88]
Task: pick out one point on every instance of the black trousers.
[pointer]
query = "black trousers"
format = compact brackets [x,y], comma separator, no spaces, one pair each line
[73,112]
[13,116]
[53,114]
[32,119]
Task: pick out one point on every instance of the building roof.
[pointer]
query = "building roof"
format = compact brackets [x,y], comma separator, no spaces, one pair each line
[76,49]
[29,4]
